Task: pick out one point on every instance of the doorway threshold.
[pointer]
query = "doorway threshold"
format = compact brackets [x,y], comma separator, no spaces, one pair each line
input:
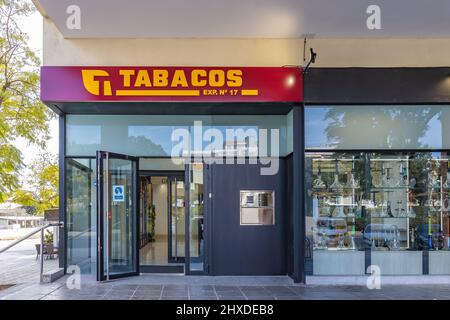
[175,268]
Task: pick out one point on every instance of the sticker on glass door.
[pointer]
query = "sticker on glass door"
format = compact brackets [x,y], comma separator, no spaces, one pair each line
[118,192]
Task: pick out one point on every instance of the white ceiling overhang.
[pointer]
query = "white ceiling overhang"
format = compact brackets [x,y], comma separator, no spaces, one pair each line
[249,18]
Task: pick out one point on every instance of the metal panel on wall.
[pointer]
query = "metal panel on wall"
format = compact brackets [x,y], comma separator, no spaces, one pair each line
[247,249]
[377,85]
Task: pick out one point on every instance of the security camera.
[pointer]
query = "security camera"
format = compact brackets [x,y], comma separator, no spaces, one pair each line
[313,55]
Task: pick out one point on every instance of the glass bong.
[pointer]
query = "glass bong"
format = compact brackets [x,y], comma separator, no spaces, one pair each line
[394,241]
[318,183]
[322,243]
[378,184]
[433,180]
[353,183]
[336,184]
[387,177]
[383,206]
[403,172]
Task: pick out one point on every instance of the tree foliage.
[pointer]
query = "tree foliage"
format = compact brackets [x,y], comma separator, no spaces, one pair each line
[22,114]
[40,189]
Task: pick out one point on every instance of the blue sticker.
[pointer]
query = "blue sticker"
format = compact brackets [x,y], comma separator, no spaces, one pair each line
[118,193]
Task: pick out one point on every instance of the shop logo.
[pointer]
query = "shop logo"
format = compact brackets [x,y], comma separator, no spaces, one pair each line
[166,83]
[92,82]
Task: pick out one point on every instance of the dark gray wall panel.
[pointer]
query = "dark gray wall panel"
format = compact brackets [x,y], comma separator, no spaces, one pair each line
[289,215]
[246,250]
[377,85]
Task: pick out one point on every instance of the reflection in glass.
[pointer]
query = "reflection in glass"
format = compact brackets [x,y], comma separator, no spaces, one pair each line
[151,135]
[81,214]
[121,219]
[377,127]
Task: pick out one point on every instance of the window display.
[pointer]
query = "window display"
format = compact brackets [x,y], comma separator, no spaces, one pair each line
[384,204]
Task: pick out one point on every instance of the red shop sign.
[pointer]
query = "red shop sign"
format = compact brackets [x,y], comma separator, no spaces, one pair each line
[164,84]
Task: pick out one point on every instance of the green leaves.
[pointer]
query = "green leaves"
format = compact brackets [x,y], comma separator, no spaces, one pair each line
[41,188]
[22,114]
[11,164]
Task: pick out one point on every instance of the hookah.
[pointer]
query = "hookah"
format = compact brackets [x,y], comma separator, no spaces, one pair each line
[341,242]
[445,184]
[389,210]
[412,237]
[395,235]
[434,182]
[352,238]
[403,175]
[323,240]
[388,177]
[373,178]
[318,183]
[341,213]
[353,183]
[336,184]
[383,211]
[400,210]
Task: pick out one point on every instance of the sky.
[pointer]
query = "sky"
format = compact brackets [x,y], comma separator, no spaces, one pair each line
[32,25]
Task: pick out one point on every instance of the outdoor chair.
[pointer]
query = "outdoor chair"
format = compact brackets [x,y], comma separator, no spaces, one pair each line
[49,251]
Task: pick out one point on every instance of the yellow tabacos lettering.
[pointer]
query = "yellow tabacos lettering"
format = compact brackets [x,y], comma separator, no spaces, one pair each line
[160,82]
[161,78]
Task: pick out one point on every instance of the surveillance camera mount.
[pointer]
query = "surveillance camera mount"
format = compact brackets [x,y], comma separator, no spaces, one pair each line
[312,60]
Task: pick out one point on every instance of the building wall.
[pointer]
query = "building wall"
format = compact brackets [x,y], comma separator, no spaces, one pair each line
[243,52]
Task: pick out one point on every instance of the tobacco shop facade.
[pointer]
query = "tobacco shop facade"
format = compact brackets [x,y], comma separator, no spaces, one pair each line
[364,181]
[224,156]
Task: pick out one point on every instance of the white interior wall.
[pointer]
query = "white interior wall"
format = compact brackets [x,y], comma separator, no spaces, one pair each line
[160,202]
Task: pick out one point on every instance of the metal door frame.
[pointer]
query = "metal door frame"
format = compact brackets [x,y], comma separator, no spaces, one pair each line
[170,180]
[100,156]
[207,209]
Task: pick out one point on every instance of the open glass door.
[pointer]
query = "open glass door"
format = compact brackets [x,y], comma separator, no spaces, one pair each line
[117,215]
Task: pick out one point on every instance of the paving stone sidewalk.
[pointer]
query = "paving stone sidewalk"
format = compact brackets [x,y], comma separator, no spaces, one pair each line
[19,264]
[124,290]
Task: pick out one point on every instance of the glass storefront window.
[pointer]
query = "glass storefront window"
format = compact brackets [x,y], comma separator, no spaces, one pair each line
[81,214]
[151,135]
[377,127]
[377,208]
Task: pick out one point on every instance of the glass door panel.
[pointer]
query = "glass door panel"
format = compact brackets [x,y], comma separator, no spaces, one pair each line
[177,219]
[117,182]
[196,218]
